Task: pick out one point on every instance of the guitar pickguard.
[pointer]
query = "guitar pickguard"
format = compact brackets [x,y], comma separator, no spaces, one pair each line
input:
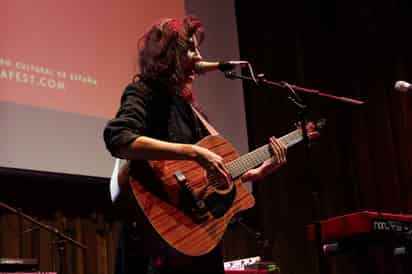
[219,204]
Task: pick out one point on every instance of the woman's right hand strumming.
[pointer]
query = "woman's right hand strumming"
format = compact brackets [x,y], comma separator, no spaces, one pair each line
[212,163]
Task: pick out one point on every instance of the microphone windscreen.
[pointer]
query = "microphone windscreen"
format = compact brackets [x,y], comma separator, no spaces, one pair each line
[402,86]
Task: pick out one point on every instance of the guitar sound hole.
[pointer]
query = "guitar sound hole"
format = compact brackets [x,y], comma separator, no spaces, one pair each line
[216,182]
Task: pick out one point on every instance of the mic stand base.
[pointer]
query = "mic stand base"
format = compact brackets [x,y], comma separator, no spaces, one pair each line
[261,243]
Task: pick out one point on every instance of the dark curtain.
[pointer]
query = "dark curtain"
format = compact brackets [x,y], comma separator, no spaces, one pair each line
[362,161]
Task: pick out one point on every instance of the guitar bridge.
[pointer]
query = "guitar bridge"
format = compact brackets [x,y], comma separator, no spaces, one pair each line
[198,210]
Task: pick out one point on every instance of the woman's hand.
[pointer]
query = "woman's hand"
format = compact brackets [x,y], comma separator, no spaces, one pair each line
[278,159]
[212,163]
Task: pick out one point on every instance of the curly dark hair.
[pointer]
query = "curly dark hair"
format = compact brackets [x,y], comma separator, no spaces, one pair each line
[162,48]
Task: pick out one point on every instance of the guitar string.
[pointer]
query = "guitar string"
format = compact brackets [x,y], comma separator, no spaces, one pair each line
[254,158]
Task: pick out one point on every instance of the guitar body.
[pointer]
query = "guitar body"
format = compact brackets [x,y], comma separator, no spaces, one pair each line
[165,204]
[186,207]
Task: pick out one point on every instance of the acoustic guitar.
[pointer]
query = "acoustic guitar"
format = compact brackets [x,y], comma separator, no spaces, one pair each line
[189,208]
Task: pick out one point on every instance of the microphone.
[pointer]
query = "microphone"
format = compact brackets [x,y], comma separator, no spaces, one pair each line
[403,86]
[203,66]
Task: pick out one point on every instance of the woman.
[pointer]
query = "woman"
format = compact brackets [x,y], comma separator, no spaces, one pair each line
[155,121]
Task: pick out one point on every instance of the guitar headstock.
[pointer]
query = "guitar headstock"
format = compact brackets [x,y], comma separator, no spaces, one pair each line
[313,129]
[321,123]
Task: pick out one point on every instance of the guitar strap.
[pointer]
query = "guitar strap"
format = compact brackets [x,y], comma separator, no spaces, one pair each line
[205,123]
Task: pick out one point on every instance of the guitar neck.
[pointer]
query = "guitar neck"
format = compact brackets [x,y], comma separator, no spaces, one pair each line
[254,158]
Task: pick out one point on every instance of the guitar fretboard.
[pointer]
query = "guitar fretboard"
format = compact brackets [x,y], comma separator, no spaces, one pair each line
[254,158]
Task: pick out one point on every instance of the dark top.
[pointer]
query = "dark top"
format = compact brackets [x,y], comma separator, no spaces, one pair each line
[148,109]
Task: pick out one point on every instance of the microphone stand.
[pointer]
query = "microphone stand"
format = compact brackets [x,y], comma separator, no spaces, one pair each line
[261,243]
[61,240]
[302,113]
[260,79]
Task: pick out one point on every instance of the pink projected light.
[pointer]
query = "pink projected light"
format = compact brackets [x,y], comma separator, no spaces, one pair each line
[73,56]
